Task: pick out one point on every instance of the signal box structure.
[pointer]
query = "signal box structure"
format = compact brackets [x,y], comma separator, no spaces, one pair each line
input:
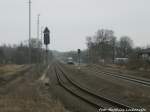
[46,42]
[79,51]
[46,36]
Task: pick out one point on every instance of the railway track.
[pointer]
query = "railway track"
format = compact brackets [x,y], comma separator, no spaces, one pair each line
[144,82]
[85,94]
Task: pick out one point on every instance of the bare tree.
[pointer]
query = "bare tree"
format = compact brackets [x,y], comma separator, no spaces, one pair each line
[101,45]
[104,36]
[125,46]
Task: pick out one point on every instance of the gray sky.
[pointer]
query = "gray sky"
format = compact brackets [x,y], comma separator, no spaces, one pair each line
[70,21]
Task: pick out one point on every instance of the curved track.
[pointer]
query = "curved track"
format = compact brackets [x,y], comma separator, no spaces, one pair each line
[84,93]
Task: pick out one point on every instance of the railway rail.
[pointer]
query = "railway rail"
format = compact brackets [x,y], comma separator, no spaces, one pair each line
[144,82]
[84,93]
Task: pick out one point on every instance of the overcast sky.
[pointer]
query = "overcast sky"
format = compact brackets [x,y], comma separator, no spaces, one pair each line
[70,21]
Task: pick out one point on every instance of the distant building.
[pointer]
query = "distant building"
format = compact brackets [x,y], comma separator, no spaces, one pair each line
[121,60]
[145,54]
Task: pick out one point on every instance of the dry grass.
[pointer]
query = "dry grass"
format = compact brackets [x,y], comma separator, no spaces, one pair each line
[29,104]
[119,91]
[9,68]
[23,94]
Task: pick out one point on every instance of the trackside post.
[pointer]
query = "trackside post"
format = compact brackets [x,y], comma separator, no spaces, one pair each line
[46,42]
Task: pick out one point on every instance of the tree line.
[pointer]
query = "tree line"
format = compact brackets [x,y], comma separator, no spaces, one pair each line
[101,46]
[105,46]
[19,54]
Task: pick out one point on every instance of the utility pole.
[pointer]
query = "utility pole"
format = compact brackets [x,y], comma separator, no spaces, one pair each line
[29,31]
[38,39]
[38,25]
[41,44]
[114,44]
[41,36]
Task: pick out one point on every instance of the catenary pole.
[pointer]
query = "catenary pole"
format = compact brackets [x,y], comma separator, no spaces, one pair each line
[38,25]
[29,31]
[38,38]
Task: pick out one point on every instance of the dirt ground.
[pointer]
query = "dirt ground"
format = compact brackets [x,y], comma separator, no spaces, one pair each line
[128,93]
[26,93]
[122,69]
[9,68]
[70,101]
